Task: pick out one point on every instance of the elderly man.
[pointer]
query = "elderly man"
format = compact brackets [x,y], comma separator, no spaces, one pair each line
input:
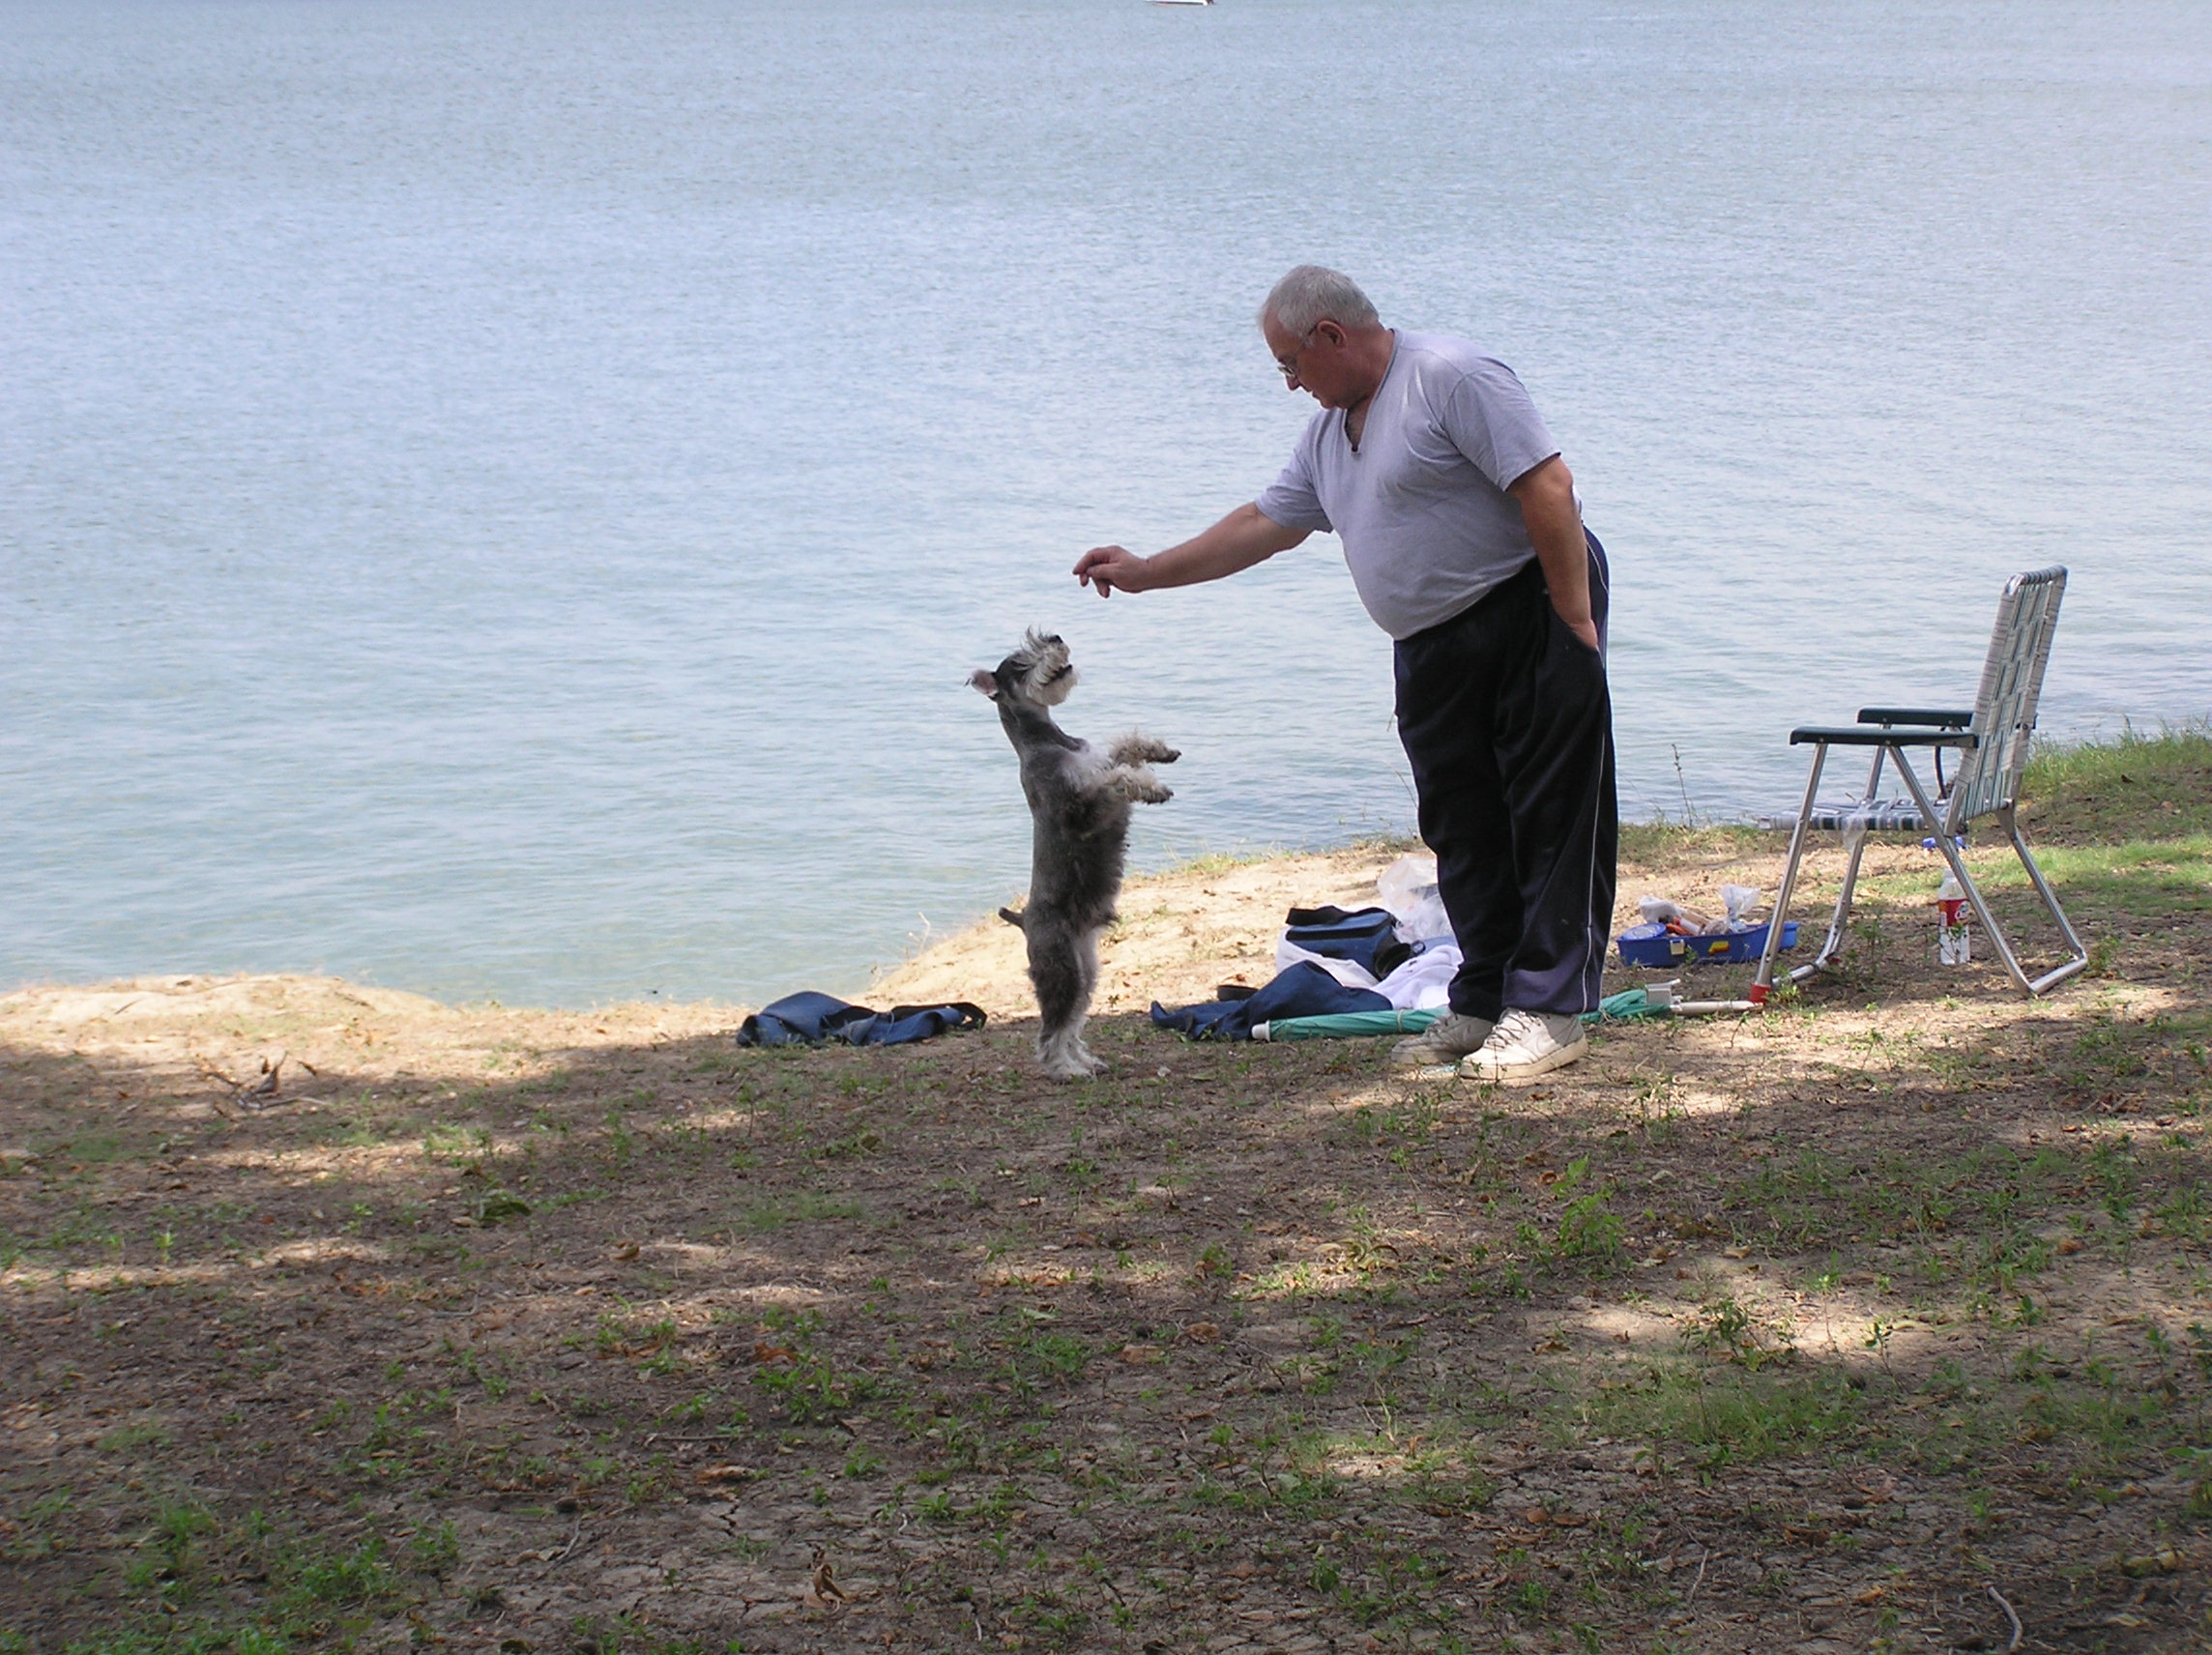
[1464,538]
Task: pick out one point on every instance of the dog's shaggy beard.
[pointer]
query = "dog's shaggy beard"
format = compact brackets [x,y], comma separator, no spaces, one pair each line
[1039,671]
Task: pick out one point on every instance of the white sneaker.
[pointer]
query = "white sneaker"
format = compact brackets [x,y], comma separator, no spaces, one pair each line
[1525,1045]
[1443,1043]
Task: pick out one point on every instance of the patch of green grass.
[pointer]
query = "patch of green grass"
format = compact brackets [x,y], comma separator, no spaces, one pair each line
[1399,1125]
[314,1593]
[2141,879]
[865,1141]
[1222,862]
[1588,1231]
[455,1143]
[1730,1414]
[807,1207]
[812,1390]
[488,1371]
[1393,1589]
[2133,787]
[37,1531]
[808,1385]
[436,1548]
[497,1203]
[1036,1353]
[1734,1332]
[593,1634]
[310,1577]
[616,1335]
[86,1227]
[139,1434]
[1050,1617]
[1214,1263]
[90,1149]
[1979,1218]
[1664,840]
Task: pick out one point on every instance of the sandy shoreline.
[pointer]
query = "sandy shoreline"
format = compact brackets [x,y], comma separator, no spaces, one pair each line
[1181,934]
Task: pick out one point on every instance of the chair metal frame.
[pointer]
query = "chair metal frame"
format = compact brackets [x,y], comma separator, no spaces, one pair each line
[1991,741]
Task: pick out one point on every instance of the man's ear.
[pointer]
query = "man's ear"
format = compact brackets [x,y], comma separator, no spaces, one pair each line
[980,680]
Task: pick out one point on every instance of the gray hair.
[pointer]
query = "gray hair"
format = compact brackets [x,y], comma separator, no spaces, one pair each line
[1313,293]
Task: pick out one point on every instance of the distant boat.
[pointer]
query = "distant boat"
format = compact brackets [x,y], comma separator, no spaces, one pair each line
[1183,2]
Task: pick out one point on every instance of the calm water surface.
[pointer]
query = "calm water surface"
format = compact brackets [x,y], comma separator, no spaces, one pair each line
[500,499]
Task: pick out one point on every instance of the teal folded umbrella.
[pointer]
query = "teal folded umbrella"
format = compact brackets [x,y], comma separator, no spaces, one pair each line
[1345,1026]
[1629,1003]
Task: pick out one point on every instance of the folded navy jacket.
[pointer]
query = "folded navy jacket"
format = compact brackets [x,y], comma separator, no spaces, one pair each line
[1368,936]
[807,1018]
[1305,989]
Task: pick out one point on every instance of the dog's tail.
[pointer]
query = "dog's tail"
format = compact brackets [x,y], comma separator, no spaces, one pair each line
[1010,917]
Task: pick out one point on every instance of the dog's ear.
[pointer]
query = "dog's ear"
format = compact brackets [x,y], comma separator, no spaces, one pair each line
[981,680]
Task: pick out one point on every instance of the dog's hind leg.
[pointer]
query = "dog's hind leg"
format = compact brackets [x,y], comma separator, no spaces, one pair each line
[1062,990]
[1086,960]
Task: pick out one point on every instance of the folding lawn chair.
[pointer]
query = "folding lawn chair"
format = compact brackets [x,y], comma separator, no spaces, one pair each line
[1992,745]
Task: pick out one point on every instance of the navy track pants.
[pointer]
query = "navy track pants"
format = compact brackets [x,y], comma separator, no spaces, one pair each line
[1507,722]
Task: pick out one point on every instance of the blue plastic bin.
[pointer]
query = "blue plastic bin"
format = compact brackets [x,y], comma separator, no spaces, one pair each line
[1656,945]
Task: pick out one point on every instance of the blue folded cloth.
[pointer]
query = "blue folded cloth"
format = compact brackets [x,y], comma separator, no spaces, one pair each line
[1305,989]
[807,1018]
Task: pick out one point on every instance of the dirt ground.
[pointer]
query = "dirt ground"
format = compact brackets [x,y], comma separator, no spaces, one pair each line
[1876,1321]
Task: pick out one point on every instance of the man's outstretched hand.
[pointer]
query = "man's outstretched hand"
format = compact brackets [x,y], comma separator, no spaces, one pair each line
[1241,539]
[1109,566]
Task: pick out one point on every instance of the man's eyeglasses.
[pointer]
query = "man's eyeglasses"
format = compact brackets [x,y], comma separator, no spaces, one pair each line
[1288,367]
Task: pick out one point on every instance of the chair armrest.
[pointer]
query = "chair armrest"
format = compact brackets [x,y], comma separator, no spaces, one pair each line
[1878,735]
[1940,719]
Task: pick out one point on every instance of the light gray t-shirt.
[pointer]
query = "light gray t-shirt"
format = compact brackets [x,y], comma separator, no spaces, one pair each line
[1422,508]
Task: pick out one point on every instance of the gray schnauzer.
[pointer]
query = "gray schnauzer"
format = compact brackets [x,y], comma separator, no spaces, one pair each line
[1079,804]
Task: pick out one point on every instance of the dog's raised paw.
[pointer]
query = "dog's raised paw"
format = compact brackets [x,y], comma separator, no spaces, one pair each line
[1138,787]
[1137,748]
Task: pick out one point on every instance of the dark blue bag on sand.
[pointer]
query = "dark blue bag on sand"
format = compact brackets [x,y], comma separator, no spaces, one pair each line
[1368,936]
[1305,989]
[807,1018]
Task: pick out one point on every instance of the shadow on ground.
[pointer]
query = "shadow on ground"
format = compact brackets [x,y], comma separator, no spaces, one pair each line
[1877,1322]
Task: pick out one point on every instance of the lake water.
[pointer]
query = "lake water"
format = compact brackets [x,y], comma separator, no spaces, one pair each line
[500,499]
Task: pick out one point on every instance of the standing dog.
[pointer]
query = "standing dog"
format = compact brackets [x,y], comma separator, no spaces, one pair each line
[1079,805]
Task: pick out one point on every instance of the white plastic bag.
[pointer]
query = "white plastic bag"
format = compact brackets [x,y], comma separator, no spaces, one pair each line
[1666,911]
[1408,889]
[1739,900]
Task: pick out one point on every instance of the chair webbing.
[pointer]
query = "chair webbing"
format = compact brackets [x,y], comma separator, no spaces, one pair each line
[2004,706]
[1882,816]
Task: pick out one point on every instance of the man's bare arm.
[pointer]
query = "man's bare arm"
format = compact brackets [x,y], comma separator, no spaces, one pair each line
[1247,536]
[1547,497]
